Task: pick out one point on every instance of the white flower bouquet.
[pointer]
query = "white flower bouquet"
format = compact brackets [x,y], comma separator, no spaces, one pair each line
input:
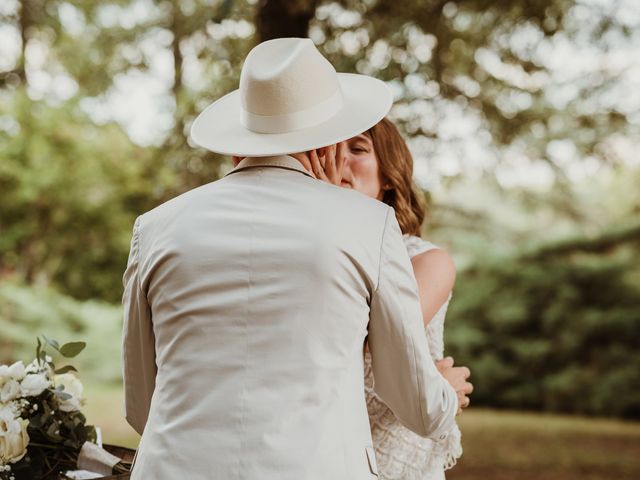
[42,430]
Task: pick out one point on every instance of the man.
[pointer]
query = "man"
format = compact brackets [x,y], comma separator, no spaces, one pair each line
[248,300]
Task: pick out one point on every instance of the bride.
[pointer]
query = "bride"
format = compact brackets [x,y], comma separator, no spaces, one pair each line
[378,163]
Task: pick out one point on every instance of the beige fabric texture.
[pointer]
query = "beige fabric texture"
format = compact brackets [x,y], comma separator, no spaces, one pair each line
[247,302]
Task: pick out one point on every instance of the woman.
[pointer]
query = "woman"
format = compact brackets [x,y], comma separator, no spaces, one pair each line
[378,163]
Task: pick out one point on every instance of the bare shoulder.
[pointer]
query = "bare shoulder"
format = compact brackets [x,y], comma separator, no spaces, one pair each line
[435,263]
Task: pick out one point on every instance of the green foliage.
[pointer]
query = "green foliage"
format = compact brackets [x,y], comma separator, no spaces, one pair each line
[72,349]
[558,334]
[25,311]
[70,191]
[442,53]
[71,187]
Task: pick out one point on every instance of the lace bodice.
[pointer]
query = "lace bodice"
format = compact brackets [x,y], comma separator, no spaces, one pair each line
[400,453]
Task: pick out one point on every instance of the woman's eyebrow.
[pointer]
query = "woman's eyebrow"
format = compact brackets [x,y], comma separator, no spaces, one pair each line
[361,138]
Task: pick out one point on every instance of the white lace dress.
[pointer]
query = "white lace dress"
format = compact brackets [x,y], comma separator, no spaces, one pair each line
[400,453]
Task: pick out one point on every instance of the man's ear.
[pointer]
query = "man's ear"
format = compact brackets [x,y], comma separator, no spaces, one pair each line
[236,160]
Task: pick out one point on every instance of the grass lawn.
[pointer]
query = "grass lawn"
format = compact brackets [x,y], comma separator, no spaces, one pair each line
[104,408]
[497,445]
[502,445]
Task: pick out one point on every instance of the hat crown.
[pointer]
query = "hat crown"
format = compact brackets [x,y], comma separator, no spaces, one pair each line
[287,76]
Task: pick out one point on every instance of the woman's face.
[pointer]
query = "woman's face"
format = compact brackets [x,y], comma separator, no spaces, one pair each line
[361,167]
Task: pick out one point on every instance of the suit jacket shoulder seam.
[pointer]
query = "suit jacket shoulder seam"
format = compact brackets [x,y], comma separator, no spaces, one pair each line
[382,238]
[136,233]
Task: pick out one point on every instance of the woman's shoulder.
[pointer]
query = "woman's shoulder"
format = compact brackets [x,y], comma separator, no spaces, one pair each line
[429,257]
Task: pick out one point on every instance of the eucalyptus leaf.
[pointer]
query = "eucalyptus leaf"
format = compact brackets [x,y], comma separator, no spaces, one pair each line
[51,342]
[62,395]
[38,348]
[65,369]
[72,349]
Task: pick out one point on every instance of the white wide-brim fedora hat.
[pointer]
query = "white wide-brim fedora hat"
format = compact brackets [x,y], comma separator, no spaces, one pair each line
[290,100]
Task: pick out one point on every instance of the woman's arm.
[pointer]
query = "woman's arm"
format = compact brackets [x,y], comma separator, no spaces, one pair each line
[436,274]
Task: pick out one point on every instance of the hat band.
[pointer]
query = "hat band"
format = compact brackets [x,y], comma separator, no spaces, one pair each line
[289,122]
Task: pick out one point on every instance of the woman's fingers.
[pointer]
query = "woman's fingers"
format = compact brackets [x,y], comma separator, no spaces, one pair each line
[327,164]
[341,155]
[317,167]
[322,155]
[304,160]
[330,163]
[325,167]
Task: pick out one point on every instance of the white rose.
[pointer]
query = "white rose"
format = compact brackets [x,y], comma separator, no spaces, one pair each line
[39,367]
[13,436]
[34,384]
[9,391]
[33,367]
[73,387]
[17,370]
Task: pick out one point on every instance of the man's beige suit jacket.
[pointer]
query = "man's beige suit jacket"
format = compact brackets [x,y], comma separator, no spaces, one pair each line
[247,303]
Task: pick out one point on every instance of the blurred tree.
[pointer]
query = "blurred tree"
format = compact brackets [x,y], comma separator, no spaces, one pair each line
[493,61]
[68,190]
[551,331]
[27,311]
[71,185]
[485,60]
[284,18]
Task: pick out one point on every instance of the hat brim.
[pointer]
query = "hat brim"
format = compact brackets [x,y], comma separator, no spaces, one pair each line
[218,128]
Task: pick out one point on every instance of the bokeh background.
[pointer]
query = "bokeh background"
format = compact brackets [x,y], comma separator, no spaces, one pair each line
[524,120]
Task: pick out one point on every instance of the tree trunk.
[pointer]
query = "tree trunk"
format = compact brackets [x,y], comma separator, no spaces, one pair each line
[176,89]
[25,23]
[284,18]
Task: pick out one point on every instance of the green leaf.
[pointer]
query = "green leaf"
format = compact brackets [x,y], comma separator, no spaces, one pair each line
[62,395]
[72,349]
[53,343]
[38,348]
[65,369]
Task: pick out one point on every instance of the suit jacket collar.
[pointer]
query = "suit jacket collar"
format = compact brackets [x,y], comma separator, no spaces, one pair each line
[279,161]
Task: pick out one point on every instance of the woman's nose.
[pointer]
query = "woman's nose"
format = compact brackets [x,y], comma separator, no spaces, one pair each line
[347,158]
[346,169]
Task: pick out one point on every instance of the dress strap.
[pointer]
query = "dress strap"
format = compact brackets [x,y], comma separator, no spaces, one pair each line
[416,245]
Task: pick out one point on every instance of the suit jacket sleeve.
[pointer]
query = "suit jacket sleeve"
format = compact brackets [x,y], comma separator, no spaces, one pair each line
[405,376]
[138,342]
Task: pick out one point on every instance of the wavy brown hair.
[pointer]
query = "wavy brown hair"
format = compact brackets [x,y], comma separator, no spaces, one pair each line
[396,170]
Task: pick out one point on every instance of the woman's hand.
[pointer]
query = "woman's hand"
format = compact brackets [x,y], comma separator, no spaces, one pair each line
[327,163]
[458,378]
